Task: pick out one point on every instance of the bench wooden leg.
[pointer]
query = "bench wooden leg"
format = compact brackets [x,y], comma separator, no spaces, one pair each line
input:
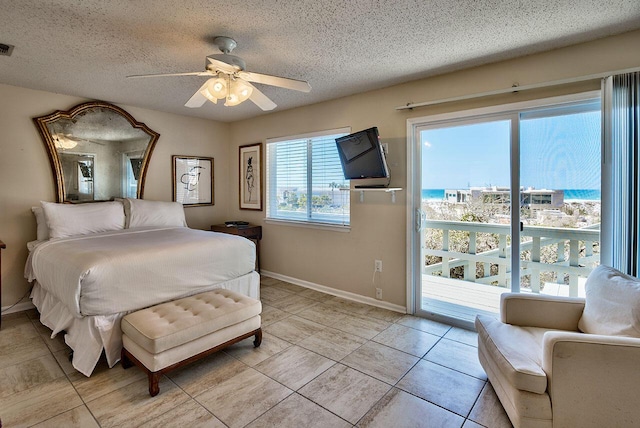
[258,338]
[127,360]
[154,380]
[124,360]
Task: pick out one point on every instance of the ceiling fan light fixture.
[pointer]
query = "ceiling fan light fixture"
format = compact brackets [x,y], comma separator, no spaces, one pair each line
[205,92]
[239,92]
[61,142]
[215,89]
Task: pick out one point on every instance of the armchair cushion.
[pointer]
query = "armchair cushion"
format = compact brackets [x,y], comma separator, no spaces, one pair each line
[517,351]
[612,304]
[535,310]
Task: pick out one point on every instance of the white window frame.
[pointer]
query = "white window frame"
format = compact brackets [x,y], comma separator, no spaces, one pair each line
[271,194]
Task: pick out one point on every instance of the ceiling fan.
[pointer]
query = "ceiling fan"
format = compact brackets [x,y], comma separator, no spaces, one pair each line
[229,80]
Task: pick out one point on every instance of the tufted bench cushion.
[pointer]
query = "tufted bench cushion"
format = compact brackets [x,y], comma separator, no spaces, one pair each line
[169,335]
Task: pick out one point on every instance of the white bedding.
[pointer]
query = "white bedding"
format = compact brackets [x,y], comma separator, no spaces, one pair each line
[129,269]
[84,285]
[89,336]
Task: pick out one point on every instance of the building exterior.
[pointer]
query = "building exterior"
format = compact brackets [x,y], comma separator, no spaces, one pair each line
[534,199]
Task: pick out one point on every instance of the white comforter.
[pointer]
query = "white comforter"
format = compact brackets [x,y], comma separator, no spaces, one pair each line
[129,269]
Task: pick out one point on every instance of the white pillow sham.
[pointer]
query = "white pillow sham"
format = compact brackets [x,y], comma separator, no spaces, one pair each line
[66,220]
[42,231]
[142,213]
[612,305]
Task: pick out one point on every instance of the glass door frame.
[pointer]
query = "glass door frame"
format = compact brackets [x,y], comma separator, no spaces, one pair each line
[414,175]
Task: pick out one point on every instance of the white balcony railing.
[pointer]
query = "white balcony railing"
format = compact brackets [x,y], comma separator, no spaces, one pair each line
[577,262]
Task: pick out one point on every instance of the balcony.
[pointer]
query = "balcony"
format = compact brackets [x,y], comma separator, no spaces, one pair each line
[553,260]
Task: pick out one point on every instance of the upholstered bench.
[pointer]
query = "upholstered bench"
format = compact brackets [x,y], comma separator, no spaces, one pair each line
[167,336]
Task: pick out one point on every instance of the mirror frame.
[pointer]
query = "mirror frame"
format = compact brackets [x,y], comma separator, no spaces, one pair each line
[56,165]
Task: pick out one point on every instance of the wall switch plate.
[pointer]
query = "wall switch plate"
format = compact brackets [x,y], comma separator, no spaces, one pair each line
[378,265]
[379,293]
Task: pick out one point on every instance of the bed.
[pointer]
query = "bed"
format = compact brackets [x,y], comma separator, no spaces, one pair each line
[94,263]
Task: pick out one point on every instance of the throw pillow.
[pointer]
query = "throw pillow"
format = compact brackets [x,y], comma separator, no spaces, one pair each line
[612,304]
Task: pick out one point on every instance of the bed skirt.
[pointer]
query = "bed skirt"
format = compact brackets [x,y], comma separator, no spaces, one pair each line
[89,336]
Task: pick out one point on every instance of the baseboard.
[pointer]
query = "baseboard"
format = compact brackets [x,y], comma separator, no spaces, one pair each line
[335,292]
[19,307]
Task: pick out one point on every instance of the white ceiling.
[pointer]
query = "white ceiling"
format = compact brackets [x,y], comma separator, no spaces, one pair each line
[341,47]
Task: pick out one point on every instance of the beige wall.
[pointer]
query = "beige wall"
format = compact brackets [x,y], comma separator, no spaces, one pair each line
[343,261]
[26,179]
[378,228]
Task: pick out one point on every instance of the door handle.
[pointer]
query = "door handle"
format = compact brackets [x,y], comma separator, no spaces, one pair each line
[421,217]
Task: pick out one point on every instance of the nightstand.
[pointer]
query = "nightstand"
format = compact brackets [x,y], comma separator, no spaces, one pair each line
[250,231]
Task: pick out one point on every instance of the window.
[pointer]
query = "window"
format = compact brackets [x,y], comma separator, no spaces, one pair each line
[305,182]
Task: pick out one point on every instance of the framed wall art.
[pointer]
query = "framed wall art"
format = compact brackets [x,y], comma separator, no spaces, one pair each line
[193,180]
[251,177]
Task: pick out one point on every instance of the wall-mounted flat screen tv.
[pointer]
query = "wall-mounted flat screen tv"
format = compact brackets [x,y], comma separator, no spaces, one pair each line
[362,156]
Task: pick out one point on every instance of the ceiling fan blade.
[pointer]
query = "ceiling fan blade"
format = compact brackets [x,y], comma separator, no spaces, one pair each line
[282,82]
[260,99]
[197,99]
[193,73]
[221,66]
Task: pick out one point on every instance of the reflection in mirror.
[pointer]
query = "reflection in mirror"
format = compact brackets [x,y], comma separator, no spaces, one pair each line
[77,171]
[97,152]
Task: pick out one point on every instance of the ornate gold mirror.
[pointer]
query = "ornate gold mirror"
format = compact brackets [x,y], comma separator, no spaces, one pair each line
[97,151]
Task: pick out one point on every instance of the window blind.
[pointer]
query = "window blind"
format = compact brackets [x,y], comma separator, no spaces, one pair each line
[621,226]
[304,178]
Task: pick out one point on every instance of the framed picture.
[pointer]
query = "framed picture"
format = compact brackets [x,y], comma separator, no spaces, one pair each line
[251,177]
[193,180]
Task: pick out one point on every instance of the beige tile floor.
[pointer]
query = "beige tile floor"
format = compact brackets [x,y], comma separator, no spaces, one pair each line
[324,362]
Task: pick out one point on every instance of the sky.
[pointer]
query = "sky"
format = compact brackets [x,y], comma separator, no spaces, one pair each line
[556,152]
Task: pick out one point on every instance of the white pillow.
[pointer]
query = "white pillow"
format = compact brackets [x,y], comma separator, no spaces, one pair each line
[66,220]
[42,231]
[612,304]
[141,213]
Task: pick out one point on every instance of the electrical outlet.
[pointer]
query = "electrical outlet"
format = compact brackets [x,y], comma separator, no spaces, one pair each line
[378,265]
[379,293]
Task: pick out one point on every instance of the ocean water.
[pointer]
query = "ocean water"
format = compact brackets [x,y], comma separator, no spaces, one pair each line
[582,194]
[569,194]
[433,194]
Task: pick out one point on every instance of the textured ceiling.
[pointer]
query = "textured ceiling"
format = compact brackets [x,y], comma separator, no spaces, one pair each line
[88,47]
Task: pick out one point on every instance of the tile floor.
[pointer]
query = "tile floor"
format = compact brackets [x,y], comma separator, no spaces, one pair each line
[324,362]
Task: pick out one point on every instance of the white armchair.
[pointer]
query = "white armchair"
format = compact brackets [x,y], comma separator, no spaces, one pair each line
[548,373]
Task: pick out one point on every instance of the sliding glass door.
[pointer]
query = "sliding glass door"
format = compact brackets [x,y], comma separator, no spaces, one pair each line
[466,203]
[560,158]
[503,201]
